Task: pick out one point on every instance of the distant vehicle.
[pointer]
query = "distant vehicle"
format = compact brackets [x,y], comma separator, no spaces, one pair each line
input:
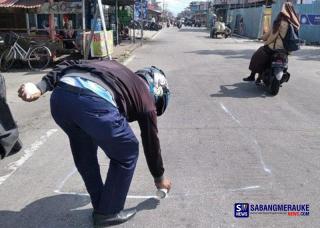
[220,29]
[188,22]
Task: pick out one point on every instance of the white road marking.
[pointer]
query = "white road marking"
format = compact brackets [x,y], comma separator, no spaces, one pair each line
[230,114]
[14,166]
[127,61]
[259,152]
[261,159]
[74,170]
[155,36]
[245,188]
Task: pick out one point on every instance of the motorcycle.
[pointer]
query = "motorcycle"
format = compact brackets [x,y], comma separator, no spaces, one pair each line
[277,73]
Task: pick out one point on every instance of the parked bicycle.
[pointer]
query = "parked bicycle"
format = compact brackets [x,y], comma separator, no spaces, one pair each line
[38,55]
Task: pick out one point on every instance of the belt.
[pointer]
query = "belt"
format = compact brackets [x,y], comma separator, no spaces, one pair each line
[74,89]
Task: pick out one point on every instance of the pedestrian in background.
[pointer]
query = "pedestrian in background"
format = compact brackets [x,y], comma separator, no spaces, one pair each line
[93,101]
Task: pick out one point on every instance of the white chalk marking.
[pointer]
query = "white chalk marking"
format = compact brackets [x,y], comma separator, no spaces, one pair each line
[267,170]
[74,170]
[127,61]
[245,188]
[229,113]
[155,36]
[14,166]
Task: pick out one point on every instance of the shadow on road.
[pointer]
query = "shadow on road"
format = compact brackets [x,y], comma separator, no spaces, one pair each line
[63,211]
[308,54]
[192,29]
[229,54]
[240,90]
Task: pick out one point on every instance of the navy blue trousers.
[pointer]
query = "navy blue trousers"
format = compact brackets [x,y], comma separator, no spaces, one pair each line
[91,122]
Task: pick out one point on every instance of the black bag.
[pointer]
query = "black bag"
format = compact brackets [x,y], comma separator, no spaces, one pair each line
[291,42]
[9,135]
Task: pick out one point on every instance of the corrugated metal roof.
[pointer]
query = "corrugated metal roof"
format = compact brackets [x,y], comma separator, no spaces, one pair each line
[7,3]
[26,4]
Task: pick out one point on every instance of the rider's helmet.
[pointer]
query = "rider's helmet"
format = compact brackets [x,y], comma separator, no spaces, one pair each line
[158,87]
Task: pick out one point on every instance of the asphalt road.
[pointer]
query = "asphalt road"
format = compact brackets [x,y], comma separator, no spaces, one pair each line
[223,142]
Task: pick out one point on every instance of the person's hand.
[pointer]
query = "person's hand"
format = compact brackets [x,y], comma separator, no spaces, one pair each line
[29,92]
[164,183]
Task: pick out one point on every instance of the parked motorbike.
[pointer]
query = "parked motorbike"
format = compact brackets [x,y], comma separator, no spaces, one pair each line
[277,73]
[225,32]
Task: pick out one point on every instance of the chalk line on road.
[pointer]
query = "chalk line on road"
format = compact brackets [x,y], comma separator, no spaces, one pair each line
[14,166]
[188,194]
[229,113]
[259,152]
[74,170]
[155,36]
[245,188]
[127,61]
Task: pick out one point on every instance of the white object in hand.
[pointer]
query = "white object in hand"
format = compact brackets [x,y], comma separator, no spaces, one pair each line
[30,89]
[162,193]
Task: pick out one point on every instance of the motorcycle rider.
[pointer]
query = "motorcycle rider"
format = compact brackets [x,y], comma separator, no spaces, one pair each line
[273,40]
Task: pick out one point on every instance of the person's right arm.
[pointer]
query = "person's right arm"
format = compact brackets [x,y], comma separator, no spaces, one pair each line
[31,92]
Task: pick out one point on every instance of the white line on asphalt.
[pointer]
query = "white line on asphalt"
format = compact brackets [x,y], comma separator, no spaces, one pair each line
[14,166]
[128,60]
[86,194]
[245,188]
[74,170]
[229,113]
[155,36]
[261,159]
[267,170]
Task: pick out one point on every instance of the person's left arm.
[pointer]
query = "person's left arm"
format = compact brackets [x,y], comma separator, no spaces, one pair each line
[151,145]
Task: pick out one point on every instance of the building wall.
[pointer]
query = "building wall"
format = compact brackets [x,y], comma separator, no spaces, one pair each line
[12,18]
[246,21]
[308,31]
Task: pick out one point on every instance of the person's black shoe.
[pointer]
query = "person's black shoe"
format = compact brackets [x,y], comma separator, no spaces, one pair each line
[100,220]
[249,79]
[16,148]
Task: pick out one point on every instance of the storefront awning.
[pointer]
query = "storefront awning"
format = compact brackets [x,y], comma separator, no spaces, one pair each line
[26,4]
[154,11]
[120,2]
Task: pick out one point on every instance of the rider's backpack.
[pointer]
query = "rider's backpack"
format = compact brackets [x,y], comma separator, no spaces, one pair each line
[291,41]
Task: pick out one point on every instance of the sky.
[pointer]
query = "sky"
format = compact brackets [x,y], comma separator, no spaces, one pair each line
[176,6]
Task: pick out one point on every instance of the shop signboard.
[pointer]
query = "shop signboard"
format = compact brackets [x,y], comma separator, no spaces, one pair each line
[141,10]
[61,8]
[98,45]
[310,19]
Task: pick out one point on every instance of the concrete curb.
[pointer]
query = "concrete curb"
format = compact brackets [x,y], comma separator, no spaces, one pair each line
[135,46]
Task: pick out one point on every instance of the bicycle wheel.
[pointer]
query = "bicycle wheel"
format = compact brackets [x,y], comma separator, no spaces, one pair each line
[39,58]
[7,59]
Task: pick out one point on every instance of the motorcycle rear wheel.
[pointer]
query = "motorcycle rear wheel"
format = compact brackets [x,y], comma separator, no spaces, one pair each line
[275,86]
